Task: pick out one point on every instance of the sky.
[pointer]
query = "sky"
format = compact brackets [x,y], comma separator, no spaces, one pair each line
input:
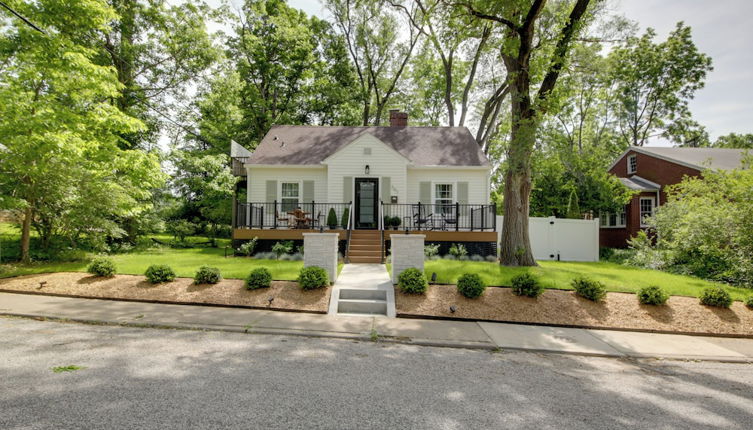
[721,29]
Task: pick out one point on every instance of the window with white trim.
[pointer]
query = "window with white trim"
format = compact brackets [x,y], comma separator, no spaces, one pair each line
[647,209]
[290,193]
[632,164]
[444,197]
[613,219]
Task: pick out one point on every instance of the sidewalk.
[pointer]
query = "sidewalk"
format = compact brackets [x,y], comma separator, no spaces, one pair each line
[483,335]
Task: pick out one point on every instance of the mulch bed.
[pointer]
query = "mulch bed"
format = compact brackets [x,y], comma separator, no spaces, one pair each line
[556,307]
[287,295]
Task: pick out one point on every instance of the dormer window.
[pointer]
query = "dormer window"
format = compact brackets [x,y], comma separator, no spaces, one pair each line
[632,164]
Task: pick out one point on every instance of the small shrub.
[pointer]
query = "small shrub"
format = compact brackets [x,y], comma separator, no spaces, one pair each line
[749,301]
[313,277]
[180,229]
[395,221]
[476,257]
[207,275]
[331,218]
[470,285]
[286,257]
[101,266]
[449,257]
[527,285]
[491,258]
[463,258]
[589,289]
[298,256]
[431,250]
[458,250]
[344,219]
[265,256]
[716,296]
[281,248]
[652,295]
[412,281]
[159,273]
[259,278]
[247,248]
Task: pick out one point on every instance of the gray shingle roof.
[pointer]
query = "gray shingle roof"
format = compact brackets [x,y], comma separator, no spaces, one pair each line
[423,146]
[639,184]
[700,158]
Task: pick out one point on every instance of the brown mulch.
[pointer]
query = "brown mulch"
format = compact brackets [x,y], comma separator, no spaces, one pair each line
[617,311]
[229,292]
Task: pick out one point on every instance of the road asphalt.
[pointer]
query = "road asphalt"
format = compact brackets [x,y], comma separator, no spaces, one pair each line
[151,378]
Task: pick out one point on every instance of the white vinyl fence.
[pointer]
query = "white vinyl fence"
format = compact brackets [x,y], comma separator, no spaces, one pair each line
[561,239]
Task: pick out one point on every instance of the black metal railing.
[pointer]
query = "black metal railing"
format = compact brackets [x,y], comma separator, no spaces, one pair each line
[443,217]
[288,215]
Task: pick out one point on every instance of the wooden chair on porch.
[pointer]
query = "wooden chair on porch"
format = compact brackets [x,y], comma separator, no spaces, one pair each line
[282,219]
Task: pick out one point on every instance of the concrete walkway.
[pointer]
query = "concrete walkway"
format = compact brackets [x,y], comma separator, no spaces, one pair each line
[412,331]
[362,276]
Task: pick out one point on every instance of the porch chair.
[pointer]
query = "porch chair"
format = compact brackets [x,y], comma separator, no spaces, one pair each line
[420,218]
[316,222]
[449,218]
[282,219]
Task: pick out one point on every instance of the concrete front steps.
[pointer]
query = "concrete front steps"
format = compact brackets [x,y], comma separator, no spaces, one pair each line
[365,246]
[363,289]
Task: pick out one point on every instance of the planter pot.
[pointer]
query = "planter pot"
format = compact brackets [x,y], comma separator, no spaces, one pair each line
[332,227]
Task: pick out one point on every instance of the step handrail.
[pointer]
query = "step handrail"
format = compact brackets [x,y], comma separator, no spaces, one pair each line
[381,231]
[346,258]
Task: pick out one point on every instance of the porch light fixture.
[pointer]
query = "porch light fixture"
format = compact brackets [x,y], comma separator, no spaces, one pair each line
[366,169]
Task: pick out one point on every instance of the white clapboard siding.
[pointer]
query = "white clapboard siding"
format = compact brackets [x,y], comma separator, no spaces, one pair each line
[258,177]
[478,182]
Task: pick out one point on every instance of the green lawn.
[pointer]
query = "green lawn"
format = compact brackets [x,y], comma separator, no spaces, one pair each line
[557,275]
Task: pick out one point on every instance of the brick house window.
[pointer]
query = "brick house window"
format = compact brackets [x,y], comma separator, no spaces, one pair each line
[613,219]
[647,209]
[632,164]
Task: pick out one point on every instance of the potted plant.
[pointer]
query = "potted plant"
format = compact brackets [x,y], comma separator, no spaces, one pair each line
[332,219]
[395,222]
[386,222]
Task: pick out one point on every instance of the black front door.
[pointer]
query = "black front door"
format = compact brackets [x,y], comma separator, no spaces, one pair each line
[367,190]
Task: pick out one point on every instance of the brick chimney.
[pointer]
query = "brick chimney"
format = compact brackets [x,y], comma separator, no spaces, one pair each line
[398,119]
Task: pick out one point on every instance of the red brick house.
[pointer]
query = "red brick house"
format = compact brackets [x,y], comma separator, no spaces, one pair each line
[648,171]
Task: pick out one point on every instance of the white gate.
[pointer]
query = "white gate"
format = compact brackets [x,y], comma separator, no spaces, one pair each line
[561,239]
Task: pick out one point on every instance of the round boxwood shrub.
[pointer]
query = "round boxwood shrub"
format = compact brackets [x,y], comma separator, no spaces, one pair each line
[652,295]
[207,275]
[158,273]
[716,296]
[313,277]
[101,266]
[589,289]
[749,302]
[259,278]
[412,281]
[527,285]
[470,285]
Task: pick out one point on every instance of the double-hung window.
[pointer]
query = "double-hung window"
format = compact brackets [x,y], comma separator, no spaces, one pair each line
[632,164]
[290,195]
[647,209]
[443,197]
[613,219]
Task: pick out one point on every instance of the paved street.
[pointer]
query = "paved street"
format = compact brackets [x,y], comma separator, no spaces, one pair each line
[156,378]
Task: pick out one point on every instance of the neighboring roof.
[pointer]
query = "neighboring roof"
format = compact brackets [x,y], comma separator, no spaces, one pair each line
[423,146]
[639,184]
[695,158]
[237,151]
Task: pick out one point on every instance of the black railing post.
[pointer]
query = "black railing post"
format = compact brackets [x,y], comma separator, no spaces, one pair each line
[276,215]
[483,218]
[313,213]
[418,217]
[261,217]
[457,216]
[250,220]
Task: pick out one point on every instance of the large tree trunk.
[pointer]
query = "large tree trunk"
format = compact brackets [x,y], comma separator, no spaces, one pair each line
[26,235]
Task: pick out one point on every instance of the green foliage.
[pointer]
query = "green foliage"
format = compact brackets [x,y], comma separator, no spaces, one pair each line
[101,266]
[527,285]
[207,275]
[734,140]
[589,288]
[458,250]
[344,219]
[431,250]
[749,301]
[705,229]
[412,281]
[470,285]
[652,295]
[259,278]
[395,221]
[180,229]
[313,277]
[159,273]
[331,218]
[284,247]
[716,296]
[247,248]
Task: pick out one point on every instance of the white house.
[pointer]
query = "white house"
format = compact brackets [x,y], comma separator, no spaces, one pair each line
[431,179]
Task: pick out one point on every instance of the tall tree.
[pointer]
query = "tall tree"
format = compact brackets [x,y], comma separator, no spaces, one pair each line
[521,19]
[653,83]
[62,163]
[734,140]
